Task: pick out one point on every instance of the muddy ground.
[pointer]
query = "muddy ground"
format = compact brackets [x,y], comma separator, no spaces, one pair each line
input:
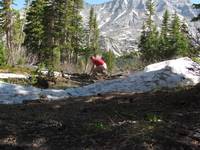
[119,121]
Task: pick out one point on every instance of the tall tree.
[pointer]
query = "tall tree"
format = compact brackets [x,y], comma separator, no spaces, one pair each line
[95,34]
[18,36]
[34,29]
[165,25]
[164,45]
[93,40]
[150,5]
[6,24]
[50,40]
[58,36]
[178,41]
[90,25]
[149,43]
[77,36]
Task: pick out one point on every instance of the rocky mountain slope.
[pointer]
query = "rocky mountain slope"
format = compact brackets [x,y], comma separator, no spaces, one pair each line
[120,21]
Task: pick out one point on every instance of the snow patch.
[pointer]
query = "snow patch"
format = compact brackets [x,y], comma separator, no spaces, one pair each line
[168,74]
[12,75]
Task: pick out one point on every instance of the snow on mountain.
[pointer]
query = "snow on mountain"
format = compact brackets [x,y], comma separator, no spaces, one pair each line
[120,21]
[168,74]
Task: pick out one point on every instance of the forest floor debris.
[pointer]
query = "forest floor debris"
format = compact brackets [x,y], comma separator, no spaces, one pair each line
[158,120]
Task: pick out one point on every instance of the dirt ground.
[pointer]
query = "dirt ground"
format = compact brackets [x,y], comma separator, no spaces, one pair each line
[119,121]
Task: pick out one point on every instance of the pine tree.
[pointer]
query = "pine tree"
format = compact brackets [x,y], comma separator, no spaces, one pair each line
[143,38]
[63,28]
[50,40]
[93,40]
[95,34]
[77,32]
[150,13]
[6,25]
[58,36]
[178,41]
[68,29]
[149,43]
[34,29]
[90,26]
[18,36]
[164,45]
[165,25]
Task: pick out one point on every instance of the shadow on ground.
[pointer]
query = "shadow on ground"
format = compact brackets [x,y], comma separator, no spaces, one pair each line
[160,120]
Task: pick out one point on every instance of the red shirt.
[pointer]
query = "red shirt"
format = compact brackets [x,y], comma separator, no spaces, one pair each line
[97,61]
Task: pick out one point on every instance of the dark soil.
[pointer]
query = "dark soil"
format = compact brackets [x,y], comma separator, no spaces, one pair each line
[75,80]
[151,121]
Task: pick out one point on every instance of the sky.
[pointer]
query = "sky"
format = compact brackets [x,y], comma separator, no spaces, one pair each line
[19,3]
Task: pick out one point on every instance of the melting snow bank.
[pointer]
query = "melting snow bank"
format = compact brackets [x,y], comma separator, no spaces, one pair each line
[12,75]
[168,74]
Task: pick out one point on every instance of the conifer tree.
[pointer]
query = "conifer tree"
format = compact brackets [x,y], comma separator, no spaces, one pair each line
[165,25]
[164,45]
[93,40]
[6,25]
[95,34]
[90,26]
[34,29]
[50,40]
[18,36]
[63,28]
[172,41]
[149,43]
[150,13]
[68,29]
[143,39]
[77,32]
[58,36]
[178,41]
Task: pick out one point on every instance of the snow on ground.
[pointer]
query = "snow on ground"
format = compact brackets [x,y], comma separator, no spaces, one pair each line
[168,74]
[12,75]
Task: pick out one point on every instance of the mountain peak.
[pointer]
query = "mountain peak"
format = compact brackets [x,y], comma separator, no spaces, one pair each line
[120,21]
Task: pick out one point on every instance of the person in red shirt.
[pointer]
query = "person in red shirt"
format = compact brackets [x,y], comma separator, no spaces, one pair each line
[99,65]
